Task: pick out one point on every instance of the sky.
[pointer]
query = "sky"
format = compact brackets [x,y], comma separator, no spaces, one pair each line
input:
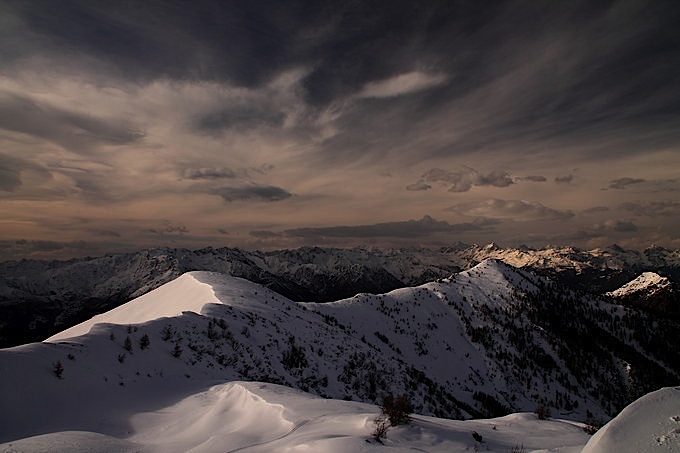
[269,125]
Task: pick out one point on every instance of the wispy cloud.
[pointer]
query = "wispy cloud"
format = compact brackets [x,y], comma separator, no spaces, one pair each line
[401,84]
[73,130]
[117,117]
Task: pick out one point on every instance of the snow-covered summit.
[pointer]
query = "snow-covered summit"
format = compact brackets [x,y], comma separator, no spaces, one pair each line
[646,284]
[190,292]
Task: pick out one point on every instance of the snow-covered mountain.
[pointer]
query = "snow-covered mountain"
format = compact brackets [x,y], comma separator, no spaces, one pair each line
[484,342]
[40,298]
[651,292]
[646,284]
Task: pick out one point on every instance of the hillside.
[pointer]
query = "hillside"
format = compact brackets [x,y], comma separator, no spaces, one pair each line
[485,342]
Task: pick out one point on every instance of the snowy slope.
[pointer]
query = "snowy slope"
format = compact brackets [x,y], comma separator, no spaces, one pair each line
[483,342]
[145,399]
[258,417]
[652,293]
[186,293]
[650,424]
[646,284]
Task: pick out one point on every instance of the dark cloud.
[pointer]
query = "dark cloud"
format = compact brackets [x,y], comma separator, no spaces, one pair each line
[511,209]
[169,228]
[208,173]
[418,186]
[252,192]
[409,229]
[622,226]
[564,179]
[496,179]
[653,208]
[72,130]
[595,209]
[622,183]
[532,178]
[458,181]
[461,180]
[508,73]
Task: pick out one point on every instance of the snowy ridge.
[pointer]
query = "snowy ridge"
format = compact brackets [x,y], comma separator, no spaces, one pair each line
[188,294]
[40,298]
[648,283]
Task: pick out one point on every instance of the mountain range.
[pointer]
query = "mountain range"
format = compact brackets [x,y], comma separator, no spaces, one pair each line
[39,298]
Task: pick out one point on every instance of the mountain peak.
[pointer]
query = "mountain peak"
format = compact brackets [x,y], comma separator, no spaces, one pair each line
[190,292]
[647,283]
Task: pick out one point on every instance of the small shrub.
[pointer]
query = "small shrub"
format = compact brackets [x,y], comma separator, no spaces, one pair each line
[121,357]
[382,425]
[177,351]
[519,448]
[542,412]
[476,436]
[397,409]
[592,426]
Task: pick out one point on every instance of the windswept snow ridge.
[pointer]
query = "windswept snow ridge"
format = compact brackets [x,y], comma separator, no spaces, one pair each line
[190,292]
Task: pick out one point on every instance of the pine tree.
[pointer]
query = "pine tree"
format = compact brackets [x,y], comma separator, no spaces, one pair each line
[144,342]
[58,369]
[128,344]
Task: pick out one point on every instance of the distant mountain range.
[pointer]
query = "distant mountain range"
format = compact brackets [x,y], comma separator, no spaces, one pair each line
[40,298]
